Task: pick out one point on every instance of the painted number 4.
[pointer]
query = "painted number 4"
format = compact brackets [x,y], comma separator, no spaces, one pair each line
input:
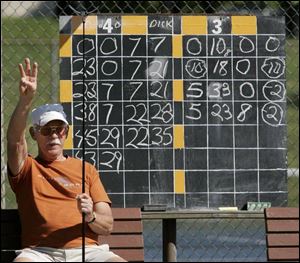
[108,25]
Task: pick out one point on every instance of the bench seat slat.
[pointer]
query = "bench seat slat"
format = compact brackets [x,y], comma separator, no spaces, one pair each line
[283,253]
[11,242]
[130,254]
[7,255]
[123,241]
[276,240]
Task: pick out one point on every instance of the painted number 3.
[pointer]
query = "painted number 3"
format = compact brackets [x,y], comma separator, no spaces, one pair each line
[217,29]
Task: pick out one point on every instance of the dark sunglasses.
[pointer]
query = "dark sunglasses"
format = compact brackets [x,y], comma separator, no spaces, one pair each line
[49,130]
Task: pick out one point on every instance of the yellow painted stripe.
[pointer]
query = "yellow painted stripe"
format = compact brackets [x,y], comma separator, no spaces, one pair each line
[69,141]
[65,90]
[179,181]
[177,46]
[65,45]
[90,25]
[243,25]
[178,132]
[134,25]
[194,25]
[177,90]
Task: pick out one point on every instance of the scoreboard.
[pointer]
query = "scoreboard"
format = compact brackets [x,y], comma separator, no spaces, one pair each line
[182,110]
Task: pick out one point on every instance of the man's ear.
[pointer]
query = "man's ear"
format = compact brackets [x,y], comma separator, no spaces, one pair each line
[67,133]
[32,133]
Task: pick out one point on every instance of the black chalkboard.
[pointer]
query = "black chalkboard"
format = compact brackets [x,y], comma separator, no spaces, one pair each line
[185,111]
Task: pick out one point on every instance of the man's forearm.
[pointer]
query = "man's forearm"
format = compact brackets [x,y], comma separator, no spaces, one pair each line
[16,142]
[103,224]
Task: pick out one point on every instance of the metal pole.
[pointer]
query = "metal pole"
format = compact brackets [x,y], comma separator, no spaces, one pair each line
[83,136]
[3,162]
[54,81]
[169,240]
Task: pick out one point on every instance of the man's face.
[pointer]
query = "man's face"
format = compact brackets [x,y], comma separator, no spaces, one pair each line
[50,139]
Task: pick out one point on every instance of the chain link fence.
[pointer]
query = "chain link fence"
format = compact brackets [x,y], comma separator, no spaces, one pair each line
[30,29]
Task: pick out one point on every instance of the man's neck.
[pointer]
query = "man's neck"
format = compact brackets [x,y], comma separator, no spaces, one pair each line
[60,158]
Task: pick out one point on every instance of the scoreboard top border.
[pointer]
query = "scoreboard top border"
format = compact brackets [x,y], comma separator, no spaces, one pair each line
[192,24]
[178,15]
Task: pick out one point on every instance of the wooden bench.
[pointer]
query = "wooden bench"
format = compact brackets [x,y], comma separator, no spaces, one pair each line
[282,233]
[126,239]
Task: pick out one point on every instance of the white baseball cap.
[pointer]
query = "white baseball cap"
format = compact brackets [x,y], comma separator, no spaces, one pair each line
[48,112]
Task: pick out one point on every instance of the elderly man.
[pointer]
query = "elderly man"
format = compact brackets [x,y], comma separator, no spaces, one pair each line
[48,187]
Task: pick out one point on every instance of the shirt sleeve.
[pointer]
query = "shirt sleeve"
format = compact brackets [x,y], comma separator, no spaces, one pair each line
[97,190]
[16,180]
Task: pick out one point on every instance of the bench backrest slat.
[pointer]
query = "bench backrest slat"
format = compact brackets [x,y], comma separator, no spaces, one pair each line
[284,225]
[127,227]
[282,233]
[128,213]
[282,212]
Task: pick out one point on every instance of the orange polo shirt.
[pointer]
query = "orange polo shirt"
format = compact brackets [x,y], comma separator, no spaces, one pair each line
[45,194]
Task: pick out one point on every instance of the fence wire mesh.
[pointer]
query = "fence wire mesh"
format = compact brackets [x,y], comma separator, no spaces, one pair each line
[30,29]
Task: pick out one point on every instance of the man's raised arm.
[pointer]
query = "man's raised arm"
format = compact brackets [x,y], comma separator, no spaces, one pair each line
[16,142]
